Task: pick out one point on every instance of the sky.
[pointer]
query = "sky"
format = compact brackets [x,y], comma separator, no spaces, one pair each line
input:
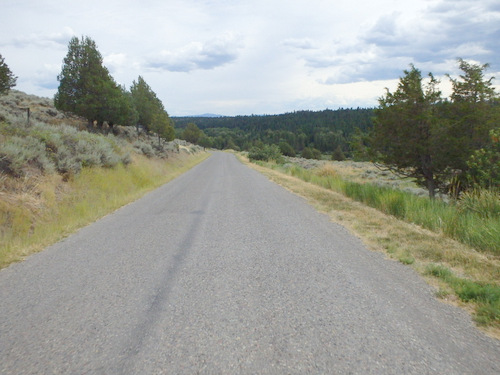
[243,57]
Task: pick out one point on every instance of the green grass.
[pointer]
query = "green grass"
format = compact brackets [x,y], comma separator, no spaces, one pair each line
[486,296]
[475,223]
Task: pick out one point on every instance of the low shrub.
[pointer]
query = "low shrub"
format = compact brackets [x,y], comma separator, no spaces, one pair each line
[144,148]
[266,153]
[18,155]
[47,148]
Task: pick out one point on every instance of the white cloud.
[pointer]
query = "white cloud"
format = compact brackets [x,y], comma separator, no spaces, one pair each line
[116,62]
[196,55]
[46,77]
[301,43]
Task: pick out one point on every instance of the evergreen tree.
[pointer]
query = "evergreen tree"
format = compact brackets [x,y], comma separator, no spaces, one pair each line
[85,86]
[126,113]
[146,102]
[162,126]
[484,164]
[406,136]
[338,154]
[287,149]
[192,133]
[7,79]
[307,153]
[472,113]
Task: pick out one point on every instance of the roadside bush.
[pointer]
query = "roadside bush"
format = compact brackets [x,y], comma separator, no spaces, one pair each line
[311,153]
[126,159]
[144,148]
[54,147]
[19,154]
[287,149]
[66,163]
[316,154]
[307,153]
[338,154]
[484,164]
[266,153]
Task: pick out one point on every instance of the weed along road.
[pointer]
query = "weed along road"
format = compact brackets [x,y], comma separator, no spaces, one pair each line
[224,272]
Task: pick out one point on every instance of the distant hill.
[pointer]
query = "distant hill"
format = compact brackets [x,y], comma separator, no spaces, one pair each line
[210,115]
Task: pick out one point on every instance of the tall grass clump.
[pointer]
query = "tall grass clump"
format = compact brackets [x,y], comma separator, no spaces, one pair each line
[474,220]
[485,203]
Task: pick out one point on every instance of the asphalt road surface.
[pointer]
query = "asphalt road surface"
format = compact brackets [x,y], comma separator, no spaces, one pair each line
[223,272]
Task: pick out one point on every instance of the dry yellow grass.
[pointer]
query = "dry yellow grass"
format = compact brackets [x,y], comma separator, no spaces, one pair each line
[400,241]
[39,210]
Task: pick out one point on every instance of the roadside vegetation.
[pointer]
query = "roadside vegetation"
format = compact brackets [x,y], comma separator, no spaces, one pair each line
[65,164]
[56,178]
[473,220]
[38,210]
[472,276]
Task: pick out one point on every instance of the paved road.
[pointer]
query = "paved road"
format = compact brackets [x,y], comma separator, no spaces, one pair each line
[223,272]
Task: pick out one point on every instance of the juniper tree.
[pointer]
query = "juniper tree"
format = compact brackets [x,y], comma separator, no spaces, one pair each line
[471,115]
[192,133]
[162,126]
[146,102]
[406,135]
[7,78]
[85,86]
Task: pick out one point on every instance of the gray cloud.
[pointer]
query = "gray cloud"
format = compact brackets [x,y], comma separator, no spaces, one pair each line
[450,29]
[51,40]
[433,39]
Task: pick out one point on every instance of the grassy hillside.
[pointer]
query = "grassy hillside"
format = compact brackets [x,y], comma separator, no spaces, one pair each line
[57,176]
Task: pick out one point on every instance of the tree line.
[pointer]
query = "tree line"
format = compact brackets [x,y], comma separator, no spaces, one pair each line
[87,89]
[296,133]
[447,144]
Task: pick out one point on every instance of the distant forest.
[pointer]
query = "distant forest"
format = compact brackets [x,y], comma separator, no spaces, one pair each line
[326,131]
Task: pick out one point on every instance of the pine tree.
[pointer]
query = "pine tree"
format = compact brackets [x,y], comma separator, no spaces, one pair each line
[192,133]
